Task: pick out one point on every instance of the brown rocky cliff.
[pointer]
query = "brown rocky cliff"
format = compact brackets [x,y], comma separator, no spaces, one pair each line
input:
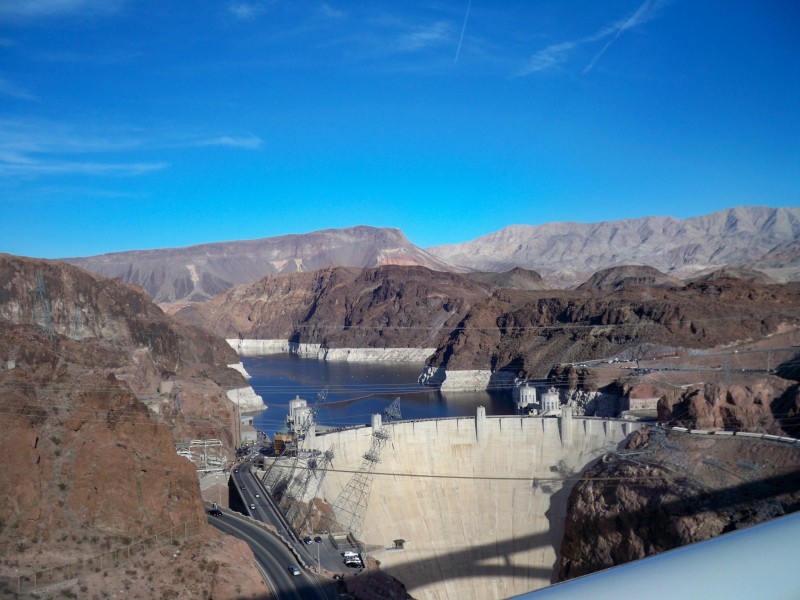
[665,490]
[118,329]
[760,405]
[391,306]
[482,325]
[528,332]
[86,464]
[84,460]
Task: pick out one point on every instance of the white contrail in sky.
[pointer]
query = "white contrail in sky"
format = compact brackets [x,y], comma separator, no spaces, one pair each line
[643,14]
[463,29]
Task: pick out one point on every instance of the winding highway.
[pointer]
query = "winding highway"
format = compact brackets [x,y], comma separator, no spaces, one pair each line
[274,558]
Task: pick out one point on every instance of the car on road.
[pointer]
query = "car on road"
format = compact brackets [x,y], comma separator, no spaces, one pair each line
[252,507]
[236,470]
[318,539]
[257,496]
[294,570]
[215,512]
[307,540]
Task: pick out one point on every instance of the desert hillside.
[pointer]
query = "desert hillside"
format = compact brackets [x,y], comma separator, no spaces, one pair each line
[88,466]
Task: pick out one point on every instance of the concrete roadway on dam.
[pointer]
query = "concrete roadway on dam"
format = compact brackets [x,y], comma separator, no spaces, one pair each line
[479,501]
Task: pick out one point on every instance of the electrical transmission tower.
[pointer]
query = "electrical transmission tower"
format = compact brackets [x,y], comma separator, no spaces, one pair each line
[276,478]
[316,467]
[350,506]
[42,313]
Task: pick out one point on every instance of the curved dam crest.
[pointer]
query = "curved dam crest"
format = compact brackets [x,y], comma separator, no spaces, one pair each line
[480,501]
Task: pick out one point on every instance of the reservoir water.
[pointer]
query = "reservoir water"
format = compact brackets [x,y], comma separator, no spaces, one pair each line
[356,391]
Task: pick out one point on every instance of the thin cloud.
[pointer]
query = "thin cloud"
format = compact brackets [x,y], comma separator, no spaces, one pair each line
[10,89]
[29,168]
[329,12]
[646,12]
[246,11]
[249,143]
[34,9]
[424,37]
[555,55]
[548,58]
[34,148]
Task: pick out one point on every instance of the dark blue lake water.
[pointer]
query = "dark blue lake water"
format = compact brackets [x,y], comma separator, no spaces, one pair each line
[356,391]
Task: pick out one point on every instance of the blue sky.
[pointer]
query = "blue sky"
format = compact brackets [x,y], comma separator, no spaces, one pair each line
[131,124]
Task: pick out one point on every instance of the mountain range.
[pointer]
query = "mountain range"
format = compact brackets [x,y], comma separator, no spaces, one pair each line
[565,254]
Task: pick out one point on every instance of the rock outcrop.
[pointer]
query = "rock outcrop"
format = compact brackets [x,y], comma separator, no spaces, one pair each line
[96,386]
[760,405]
[486,329]
[664,490]
[179,370]
[386,307]
[528,332]
[629,276]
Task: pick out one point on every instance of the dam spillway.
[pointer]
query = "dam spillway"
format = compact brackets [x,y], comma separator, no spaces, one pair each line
[480,502]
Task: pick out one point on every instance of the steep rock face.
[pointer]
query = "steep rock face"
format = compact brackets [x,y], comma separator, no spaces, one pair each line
[386,307]
[119,330]
[759,405]
[83,306]
[529,332]
[83,457]
[567,253]
[198,273]
[96,384]
[673,490]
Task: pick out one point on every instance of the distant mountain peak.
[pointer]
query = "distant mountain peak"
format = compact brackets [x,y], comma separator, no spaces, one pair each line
[567,253]
[197,273]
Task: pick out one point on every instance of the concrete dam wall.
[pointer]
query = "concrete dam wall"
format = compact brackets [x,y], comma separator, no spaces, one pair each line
[480,502]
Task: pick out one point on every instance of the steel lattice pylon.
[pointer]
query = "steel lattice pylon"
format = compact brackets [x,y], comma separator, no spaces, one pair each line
[350,506]
[316,468]
[276,478]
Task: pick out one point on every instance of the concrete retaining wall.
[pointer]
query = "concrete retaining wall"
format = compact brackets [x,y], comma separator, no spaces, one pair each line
[480,501]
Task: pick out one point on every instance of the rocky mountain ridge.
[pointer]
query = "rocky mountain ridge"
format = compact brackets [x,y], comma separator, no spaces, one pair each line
[476,325]
[384,307]
[130,337]
[197,273]
[565,254]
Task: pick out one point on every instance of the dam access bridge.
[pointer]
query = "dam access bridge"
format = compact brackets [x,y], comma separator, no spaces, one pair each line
[464,507]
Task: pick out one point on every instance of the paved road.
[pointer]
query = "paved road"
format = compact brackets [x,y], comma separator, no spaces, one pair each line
[274,558]
[253,493]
